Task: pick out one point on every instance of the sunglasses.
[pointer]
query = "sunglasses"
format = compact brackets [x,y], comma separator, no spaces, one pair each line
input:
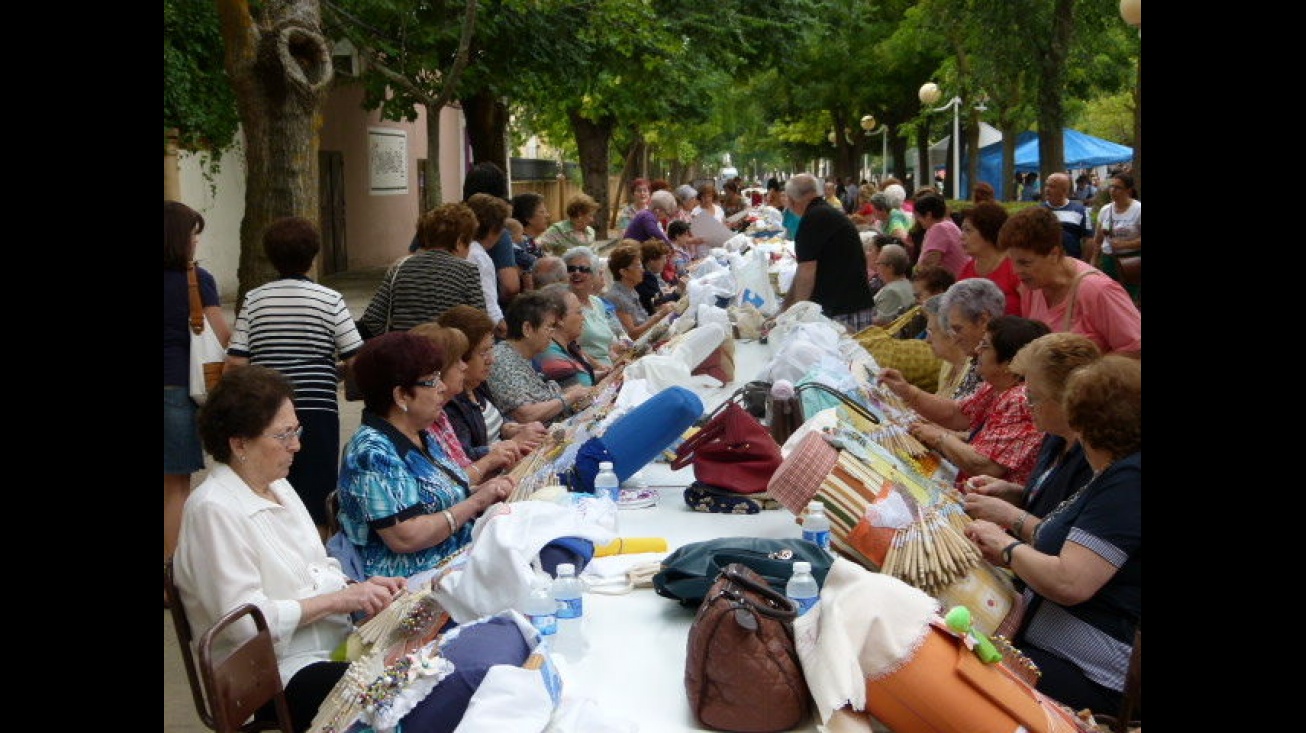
[580,268]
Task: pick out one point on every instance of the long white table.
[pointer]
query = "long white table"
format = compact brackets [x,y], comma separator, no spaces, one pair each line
[635,664]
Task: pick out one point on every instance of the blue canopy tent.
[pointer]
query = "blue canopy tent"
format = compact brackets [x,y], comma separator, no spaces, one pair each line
[1081,151]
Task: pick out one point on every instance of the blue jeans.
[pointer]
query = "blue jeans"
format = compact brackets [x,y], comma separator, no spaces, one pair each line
[182,452]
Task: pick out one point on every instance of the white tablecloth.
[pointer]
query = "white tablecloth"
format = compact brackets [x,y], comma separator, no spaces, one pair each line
[635,664]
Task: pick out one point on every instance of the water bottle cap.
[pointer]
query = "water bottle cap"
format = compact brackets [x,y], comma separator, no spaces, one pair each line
[605,465]
[566,568]
[816,506]
[802,566]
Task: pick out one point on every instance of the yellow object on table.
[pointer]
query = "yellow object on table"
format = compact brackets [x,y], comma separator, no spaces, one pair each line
[629,545]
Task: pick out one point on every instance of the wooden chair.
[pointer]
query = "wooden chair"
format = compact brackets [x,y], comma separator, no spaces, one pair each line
[203,677]
[1124,720]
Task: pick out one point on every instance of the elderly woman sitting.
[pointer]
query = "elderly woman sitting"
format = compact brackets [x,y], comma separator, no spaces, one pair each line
[405,504]
[602,337]
[518,390]
[1003,441]
[627,272]
[563,361]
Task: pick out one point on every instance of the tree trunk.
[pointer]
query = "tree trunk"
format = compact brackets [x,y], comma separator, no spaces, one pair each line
[280,70]
[434,195]
[1052,84]
[487,123]
[592,140]
[628,174]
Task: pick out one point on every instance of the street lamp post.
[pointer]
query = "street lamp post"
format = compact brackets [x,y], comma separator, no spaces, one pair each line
[868,124]
[929,94]
[1132,13]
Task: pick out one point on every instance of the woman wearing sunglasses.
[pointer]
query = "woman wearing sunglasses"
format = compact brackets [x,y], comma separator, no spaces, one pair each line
[601,337]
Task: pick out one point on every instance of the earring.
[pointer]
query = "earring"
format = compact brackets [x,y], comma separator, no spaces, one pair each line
[241,457]
[403,406]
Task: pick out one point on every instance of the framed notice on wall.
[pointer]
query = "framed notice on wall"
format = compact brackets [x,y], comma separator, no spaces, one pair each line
[387,158]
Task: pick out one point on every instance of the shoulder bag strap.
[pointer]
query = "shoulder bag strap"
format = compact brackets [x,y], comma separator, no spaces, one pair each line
[196,306]
[390,303]
[848,402]
[901,321]
[778,608]
[1070,299]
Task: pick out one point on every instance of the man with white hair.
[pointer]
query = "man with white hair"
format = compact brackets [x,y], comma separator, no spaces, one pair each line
[549,269]
[831,263]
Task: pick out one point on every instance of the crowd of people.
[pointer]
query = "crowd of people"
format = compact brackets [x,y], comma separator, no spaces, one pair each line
[501,323]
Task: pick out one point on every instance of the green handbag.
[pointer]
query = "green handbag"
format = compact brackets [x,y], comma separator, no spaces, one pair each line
[690,570]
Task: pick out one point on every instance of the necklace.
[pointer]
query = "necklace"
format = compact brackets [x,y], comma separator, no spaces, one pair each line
[1066,502]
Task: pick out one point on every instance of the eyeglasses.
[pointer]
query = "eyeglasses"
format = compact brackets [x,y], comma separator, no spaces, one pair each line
[432,382]
[286,437]
[580,268]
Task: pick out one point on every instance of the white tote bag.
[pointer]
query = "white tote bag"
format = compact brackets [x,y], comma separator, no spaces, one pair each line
[206,357]
[206,352]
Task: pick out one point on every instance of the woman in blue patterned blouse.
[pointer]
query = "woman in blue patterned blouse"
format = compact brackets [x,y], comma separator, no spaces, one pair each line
[405,505]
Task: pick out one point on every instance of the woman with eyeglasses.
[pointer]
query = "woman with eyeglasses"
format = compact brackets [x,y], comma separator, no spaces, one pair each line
[405,504]
[1066,293]
[563,361]
[473,415]
[602,337]
[246,537]
[1119,228]
[628,271]
[500,456]
[518,390]
[1002,439]
[301,329]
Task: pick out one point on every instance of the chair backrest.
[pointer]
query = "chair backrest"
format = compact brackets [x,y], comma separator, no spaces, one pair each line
[247,678]
[201,696]
[184,638]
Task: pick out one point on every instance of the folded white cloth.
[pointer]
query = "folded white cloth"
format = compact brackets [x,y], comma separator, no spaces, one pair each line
[499,565]
[865,626]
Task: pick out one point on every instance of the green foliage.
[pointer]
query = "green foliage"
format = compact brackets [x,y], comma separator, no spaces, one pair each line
[197,96]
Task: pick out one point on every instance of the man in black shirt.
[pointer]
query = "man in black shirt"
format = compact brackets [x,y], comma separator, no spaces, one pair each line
[831,262]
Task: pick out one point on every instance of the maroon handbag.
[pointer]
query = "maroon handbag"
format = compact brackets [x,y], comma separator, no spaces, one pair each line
[733,451]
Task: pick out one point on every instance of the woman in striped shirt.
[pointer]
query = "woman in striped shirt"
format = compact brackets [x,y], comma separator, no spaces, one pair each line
[301,329]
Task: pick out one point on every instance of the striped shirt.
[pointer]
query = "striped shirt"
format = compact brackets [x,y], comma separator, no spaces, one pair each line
[426,285]
[299,328]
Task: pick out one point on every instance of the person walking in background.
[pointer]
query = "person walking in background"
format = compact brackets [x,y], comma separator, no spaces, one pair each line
[831,263]
[1032,190]
[941,245]
[301,329]
[182,453]
[980,225]
[1076,226]
[1119,227]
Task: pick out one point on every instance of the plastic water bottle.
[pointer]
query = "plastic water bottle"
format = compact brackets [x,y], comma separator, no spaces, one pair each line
[568,597]
[802,588]
[816,526]
[542,611]
[606,483]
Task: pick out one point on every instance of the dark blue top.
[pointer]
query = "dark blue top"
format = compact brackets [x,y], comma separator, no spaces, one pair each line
[1051,481]
[650,292]
[176,321]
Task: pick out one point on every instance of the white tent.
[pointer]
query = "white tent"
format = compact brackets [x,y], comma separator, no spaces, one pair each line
[939,151]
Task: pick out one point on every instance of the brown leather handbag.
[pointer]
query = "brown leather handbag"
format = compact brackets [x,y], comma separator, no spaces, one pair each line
[742,671]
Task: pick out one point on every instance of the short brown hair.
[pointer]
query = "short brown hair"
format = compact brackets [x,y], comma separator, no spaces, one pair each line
[621,258]
[242,405]
[1035,229]
[291,243]
[472,321]
[452,342]
[581,204]
[490,212]
[1104,404]
[446,226]
[1055,356]
[651,250]
[987,217]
